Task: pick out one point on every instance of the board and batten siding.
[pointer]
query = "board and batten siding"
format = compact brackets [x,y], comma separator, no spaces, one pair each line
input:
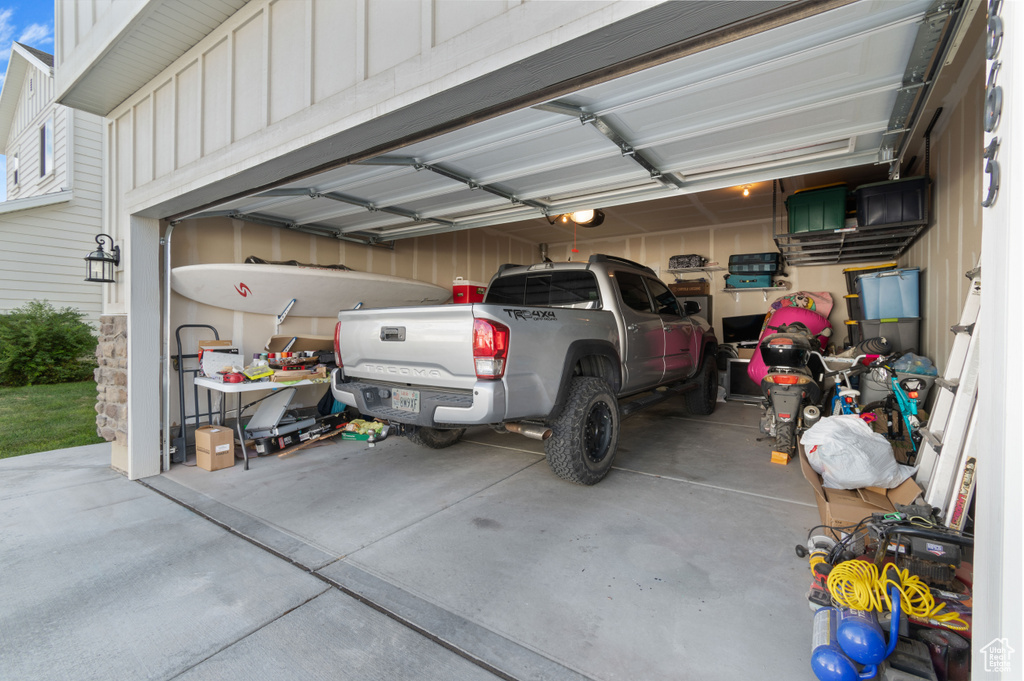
[278,75]
[35,107]
[42,249]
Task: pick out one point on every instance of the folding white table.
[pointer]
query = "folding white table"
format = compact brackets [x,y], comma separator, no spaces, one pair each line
[237,389]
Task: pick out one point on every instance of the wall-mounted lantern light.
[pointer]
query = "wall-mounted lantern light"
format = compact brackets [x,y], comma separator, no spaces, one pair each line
[99,265]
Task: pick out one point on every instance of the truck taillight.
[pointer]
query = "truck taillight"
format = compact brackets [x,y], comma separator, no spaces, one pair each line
[337,344]
[490,348]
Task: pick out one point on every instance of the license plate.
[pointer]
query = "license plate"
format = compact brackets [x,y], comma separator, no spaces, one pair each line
[405,400]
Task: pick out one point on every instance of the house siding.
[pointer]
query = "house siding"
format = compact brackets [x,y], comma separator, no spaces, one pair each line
[35,107]
[277,76]
[42,249]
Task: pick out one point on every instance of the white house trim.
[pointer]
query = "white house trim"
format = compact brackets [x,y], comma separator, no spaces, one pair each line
[29,202]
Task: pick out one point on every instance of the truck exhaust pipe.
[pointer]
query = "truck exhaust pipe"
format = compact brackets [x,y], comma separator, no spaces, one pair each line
[530,430]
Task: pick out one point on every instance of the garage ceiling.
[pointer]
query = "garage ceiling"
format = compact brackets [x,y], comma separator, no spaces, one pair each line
[838,90]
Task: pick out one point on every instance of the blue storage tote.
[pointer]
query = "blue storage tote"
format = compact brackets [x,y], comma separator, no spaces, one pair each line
[890,294]
[748,281]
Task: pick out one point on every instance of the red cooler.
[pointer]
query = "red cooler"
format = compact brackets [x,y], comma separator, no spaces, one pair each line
[464,291]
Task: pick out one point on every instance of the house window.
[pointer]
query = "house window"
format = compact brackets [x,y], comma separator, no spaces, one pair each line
[15,164]
[46,148]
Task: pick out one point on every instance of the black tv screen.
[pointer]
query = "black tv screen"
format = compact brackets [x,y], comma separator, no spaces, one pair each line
[742,329]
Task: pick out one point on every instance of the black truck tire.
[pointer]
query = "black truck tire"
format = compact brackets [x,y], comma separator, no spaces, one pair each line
[436,438]
[702,401]
[585,434]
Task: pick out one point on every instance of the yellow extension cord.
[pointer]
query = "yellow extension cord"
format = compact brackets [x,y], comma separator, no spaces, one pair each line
[856,584]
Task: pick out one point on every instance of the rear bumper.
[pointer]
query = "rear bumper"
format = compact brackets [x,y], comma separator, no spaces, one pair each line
[485,403]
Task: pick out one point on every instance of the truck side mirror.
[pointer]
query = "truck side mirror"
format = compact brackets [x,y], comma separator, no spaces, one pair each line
[690,307]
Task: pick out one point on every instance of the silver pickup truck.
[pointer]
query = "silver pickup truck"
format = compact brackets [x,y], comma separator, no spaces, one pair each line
[560,352]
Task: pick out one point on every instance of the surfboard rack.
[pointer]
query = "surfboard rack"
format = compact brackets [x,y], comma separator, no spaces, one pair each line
[284,314]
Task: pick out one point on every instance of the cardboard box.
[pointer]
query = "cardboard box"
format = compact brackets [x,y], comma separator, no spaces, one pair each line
[286,376]
[215,448]
[214,363]
[849,507]
[217,345]
[691,287]
[301,344]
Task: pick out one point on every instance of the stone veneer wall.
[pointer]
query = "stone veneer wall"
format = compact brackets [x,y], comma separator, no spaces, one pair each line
[112,379]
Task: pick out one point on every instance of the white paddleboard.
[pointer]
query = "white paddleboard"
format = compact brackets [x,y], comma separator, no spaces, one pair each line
[318,292]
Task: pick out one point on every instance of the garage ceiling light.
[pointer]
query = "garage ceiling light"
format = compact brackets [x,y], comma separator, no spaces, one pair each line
[588,218]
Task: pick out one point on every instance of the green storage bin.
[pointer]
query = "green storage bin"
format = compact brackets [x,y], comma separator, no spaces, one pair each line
[817,210]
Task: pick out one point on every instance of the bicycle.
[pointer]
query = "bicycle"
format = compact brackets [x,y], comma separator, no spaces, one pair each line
[898,411]
[845,398]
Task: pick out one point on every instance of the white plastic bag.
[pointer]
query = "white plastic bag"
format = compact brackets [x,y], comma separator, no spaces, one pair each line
[849,455]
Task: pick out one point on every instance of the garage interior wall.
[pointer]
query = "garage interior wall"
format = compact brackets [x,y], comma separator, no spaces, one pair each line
[717,243]
[438,259]
[952,244]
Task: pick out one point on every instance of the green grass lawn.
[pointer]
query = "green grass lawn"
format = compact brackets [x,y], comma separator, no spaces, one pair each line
[38,418]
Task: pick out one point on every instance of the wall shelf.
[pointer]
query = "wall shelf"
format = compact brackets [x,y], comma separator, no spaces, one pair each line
[706,271]
[764,291]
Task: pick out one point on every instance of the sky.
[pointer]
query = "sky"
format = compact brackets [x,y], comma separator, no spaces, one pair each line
[29,22]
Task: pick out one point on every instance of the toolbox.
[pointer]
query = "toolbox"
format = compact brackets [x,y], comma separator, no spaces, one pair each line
[748,281]
[320,426]
[816,210]
[755,263]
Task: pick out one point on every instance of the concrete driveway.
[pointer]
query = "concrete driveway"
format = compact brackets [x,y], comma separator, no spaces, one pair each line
[354,562]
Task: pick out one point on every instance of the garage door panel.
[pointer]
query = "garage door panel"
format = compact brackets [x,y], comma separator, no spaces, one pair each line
[602,173]
[562,146]
[869,114]
[888,22]
[794,89]
[453,145]
[456,204]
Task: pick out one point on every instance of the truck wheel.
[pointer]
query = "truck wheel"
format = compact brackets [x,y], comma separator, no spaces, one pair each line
[702,401]
[436,438]
[583,437]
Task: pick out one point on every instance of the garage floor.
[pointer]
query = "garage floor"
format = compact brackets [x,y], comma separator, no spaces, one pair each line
[679,564]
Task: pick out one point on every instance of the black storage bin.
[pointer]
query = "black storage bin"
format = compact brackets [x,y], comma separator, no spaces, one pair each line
[853,306]
[891,203]
[755,263]
[853,334]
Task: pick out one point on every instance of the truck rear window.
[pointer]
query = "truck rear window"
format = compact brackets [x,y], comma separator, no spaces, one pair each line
[545,289]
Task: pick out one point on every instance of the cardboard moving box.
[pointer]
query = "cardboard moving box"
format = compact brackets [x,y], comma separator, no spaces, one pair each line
[215,448]
[849,507]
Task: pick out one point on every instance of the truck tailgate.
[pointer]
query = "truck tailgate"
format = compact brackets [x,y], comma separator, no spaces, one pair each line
[433,347]
[430,345]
